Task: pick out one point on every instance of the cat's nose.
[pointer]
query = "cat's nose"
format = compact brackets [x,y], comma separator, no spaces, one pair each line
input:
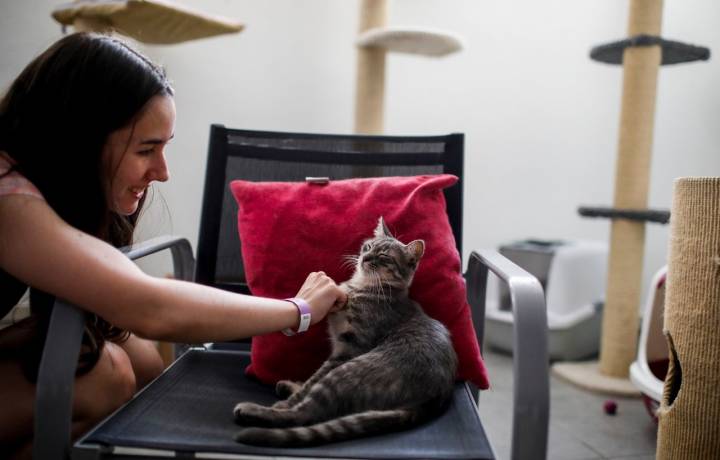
[369,264]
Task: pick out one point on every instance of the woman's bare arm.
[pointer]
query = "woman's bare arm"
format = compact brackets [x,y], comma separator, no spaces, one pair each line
[39,248]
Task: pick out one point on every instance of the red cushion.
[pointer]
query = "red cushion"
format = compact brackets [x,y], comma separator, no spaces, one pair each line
[289,229]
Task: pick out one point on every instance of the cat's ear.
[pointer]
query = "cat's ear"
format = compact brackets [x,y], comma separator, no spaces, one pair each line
[415,249]
[382,229]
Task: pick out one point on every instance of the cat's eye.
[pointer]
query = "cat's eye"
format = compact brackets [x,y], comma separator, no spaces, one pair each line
[365,247]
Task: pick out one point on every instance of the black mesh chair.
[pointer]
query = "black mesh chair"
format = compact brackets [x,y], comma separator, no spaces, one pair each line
[187,411]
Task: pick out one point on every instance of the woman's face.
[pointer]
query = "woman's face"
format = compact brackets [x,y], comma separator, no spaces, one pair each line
[135,155]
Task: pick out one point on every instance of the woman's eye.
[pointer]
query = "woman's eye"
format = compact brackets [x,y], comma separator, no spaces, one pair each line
[146,151]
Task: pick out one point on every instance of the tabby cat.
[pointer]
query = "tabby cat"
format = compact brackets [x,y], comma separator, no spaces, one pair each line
[391,365]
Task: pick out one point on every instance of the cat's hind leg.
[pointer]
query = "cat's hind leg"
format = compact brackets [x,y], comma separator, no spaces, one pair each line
[285,389]
[333,393]
[297,392]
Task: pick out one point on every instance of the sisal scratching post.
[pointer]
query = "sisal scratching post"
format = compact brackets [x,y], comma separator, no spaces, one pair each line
[627,238]
[689,415]
[370,89]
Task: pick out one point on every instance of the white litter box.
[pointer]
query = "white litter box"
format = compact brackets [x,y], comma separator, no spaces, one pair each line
[573,275]
[648,370]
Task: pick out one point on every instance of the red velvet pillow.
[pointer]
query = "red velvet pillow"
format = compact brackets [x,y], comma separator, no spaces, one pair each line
[289,229]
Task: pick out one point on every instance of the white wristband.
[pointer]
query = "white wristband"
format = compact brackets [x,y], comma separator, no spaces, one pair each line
[305,316]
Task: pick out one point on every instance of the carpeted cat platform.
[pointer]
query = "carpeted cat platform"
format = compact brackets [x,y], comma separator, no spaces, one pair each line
[187,412]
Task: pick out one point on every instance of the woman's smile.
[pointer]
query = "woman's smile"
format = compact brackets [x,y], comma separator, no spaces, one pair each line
[136,163]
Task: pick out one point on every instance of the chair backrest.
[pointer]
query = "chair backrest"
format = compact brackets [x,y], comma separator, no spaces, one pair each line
[275,156]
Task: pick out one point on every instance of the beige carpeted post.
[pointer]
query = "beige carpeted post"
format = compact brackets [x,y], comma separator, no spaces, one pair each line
[370,89]
[689,415]
[627,238]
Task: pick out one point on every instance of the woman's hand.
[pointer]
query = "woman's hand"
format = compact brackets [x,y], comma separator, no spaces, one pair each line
[323,295]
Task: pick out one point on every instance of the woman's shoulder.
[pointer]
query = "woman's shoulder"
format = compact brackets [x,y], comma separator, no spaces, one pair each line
[12,182]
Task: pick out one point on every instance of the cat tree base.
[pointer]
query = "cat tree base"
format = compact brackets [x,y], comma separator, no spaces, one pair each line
[586,375]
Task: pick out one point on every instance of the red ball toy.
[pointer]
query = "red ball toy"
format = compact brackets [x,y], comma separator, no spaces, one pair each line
[610,407]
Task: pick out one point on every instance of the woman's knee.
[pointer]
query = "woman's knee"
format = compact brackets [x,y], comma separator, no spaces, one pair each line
[145,358]
[110,384]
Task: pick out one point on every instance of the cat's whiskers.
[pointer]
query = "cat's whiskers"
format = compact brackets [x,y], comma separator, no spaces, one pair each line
[381,291]
[374,289]
[350,261]
[389,286]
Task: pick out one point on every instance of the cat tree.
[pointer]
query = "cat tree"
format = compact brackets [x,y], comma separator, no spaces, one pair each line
[373,42]
[640,55]
[147,21]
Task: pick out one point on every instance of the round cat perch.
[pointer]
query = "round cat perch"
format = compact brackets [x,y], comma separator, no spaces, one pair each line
[147,21]
[410,40]
[641,56]
[373,42]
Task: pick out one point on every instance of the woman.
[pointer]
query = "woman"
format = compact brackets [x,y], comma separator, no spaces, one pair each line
[83,132]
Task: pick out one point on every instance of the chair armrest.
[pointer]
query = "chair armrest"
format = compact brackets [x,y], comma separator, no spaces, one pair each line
[56,374]
[183,260]
[56,378]
[531,387]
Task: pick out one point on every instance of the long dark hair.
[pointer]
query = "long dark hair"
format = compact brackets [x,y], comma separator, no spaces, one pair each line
[55,120]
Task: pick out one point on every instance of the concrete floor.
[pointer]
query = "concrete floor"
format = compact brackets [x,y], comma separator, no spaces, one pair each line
[579,428]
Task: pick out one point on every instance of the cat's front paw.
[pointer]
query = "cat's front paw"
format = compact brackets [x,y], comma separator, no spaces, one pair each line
[286,388]
[250,414]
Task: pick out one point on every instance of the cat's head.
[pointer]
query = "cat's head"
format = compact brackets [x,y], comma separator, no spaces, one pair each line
[385,259]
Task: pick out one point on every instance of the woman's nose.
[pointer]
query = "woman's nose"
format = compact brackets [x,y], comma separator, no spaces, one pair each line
[159,171]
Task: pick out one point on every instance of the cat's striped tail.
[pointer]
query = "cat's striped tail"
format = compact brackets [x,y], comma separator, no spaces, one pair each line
[338,429]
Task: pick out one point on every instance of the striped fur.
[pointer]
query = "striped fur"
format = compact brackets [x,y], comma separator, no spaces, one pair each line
[391,365]
[338,429]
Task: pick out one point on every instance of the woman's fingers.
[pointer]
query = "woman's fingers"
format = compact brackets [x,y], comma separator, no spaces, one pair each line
[323,295]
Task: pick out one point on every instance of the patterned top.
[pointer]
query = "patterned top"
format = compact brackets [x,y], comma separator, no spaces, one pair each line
[14,183]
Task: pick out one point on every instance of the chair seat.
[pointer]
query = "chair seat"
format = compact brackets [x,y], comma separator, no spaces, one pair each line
[188,410]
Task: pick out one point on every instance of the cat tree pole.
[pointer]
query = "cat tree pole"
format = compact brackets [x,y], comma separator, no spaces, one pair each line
[373,43]
[641,55]
[370,88]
